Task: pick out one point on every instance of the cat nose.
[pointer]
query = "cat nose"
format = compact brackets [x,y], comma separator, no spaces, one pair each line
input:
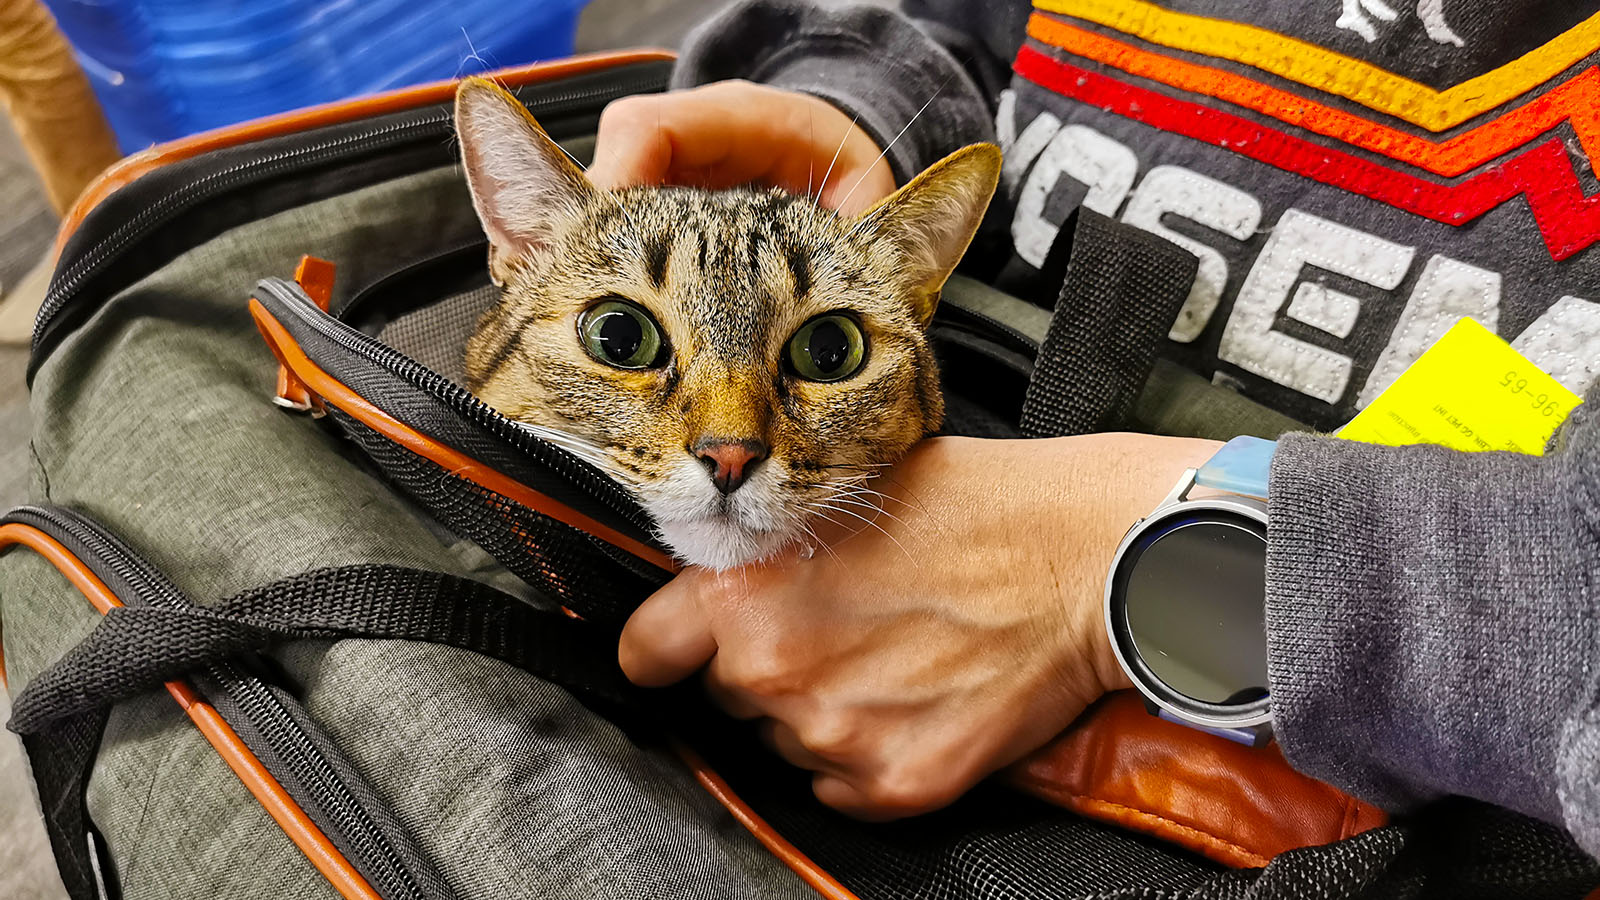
[730,461]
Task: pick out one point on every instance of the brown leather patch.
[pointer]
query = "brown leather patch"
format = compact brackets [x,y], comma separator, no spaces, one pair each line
[1238,805]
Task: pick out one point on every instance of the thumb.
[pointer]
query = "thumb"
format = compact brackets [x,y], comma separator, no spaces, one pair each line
[668,638]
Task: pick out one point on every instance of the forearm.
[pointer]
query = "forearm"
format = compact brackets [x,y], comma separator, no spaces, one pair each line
[909,93]
[1431,620]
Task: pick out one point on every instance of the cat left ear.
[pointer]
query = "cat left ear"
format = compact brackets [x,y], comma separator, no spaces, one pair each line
[933,218]
[522,183]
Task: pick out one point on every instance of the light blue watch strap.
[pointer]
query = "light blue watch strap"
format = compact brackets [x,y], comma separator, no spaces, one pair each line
[1240,467]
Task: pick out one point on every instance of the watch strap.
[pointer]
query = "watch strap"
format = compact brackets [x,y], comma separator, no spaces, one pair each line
[1242,466]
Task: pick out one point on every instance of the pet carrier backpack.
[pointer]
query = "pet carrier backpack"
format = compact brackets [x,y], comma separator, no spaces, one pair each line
[365,647]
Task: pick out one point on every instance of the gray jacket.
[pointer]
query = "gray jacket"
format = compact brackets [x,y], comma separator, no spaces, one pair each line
[1431,615]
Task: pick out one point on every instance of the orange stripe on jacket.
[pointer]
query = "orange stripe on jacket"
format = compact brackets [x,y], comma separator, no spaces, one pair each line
[1354,79]
[1578,100]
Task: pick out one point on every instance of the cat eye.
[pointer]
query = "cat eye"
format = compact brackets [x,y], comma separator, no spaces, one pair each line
[828,348]
[621,334]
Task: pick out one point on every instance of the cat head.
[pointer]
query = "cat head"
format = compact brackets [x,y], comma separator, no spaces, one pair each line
[742,361]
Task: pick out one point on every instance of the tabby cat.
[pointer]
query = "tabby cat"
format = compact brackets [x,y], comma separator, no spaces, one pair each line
[741,361]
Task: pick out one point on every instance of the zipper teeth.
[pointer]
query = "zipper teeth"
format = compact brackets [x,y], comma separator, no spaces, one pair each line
[164,208]
[62,290]
[264,708]
[297,750]
[464,403]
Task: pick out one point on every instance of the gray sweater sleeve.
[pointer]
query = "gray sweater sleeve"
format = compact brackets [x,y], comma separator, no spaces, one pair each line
[911,93]
[1431,622]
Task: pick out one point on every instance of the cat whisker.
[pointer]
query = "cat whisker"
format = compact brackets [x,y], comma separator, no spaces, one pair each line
[811,139]
[583,449]
[858,483]
[817,541]
[856,499]
[863,490]
[831,163]
[939,90]
[872,524]
[585,169]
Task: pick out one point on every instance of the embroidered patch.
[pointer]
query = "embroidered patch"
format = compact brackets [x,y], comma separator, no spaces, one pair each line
[1300,240]
[1562,342]
[1175,190]
[1448,291]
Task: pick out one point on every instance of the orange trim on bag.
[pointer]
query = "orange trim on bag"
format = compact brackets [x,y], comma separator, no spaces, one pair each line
[787,853]
[251,773]
[133,167]
[454,461]
[315,277]
[1577,100]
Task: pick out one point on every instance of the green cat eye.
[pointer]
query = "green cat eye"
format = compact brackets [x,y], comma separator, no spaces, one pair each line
[621,334]
[828,348]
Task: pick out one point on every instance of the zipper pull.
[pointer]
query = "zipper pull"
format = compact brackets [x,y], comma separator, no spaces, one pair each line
[315,277]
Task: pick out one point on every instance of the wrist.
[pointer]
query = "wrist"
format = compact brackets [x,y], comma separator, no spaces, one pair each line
[1101,485]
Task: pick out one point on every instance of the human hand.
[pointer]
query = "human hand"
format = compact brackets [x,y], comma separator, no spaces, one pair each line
[904,662]
[736,132]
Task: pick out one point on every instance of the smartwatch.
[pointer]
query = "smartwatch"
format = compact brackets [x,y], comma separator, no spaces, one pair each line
[1186,598]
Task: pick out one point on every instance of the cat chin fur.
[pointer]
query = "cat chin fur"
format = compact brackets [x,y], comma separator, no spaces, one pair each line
[720,544]
[705,528]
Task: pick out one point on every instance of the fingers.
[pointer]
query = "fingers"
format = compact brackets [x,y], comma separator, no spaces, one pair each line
[835,792]
[732,700]
[667,638]
[786,743]
[733,133]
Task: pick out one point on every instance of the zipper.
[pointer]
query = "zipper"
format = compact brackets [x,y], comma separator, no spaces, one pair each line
[460,401]
[63,289]
[374,856]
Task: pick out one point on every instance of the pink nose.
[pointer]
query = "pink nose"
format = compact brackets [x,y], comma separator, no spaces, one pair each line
[730,461]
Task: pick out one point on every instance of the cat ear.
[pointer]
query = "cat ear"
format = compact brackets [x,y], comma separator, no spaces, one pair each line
[522,183]
[933,218]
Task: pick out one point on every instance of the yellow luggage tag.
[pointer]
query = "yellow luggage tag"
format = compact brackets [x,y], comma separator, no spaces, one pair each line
[1469,391]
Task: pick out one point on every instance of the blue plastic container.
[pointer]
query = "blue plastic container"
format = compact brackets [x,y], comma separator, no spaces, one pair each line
[166,68]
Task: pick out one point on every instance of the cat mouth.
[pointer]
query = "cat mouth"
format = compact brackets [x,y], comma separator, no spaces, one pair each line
[705,527]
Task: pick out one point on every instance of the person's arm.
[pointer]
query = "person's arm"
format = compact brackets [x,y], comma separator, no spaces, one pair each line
[1432,622]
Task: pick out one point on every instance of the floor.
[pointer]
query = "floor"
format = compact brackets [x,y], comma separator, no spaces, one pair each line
[26,229]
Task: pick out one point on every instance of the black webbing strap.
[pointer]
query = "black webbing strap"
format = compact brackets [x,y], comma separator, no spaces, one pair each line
[62,757]
[1122,292]
[134,649]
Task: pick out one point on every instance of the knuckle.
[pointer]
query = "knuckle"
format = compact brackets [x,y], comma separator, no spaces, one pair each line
[906,792]
[831,737]
[763,673]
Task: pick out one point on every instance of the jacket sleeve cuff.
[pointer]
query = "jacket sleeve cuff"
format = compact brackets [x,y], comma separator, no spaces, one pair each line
[1428,619]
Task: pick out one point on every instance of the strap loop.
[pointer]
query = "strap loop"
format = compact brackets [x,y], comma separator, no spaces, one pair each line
[134,649]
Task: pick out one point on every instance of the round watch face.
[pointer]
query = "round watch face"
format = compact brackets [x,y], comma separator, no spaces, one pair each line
[1188,601]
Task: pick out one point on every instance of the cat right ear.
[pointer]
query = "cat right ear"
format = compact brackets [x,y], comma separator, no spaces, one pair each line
[522,183]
